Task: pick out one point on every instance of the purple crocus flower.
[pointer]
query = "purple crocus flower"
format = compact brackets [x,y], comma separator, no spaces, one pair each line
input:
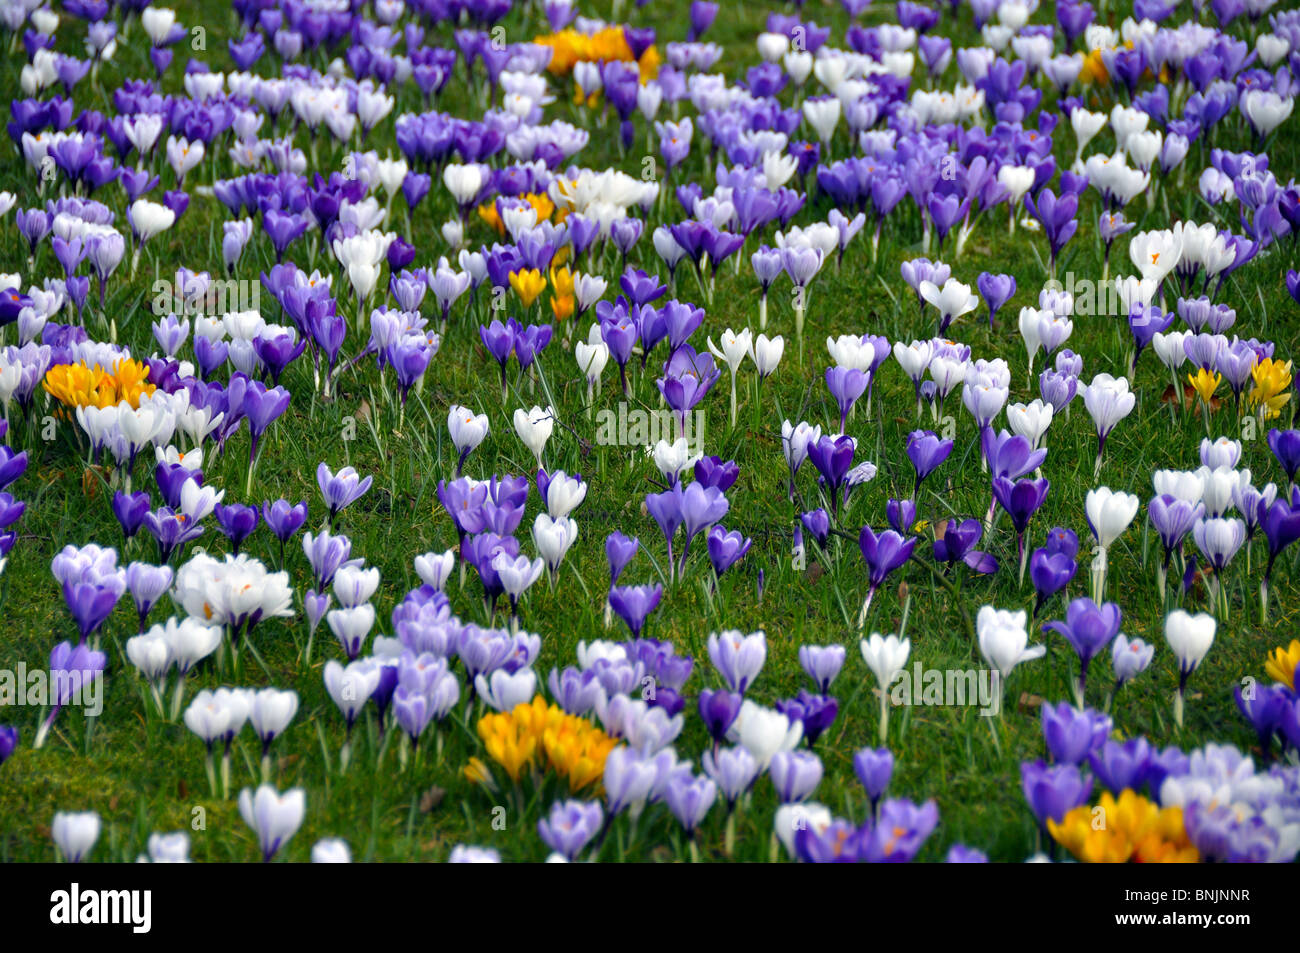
[1057,216]
[874,767]
[634,603]
[883,554]
[833,458]
[71,670]
[822,663]
[619,550]
[1285,445]
[1089,629]
[90,604]
[846,385]
[1281,525]
[690,799]
[1119,765]
[237,522]
[1264,707]
[726,548]
[996,290]
[718,711]
[8,742]
[926,451]
[1053,791]
[815,713]
[147,584]
[1072,734]
[957,544]
[130,508]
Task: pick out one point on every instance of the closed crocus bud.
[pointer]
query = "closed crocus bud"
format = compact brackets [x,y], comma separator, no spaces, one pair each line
[553,537]
[350,687]
[1190,637]
[351,626]
[467,430]
[874,768]
[75,834]
[886,656]
[270,713]
[354,586]
[173,848]
[331,850]
[763,732]
[766,354]
[503,690]
[149,654]
[822,663]
[273,817]
[1109,514]
[434,569]
[592,356]
[737,657]
[795,775]
[564,493]
[534,428]
[1003,641]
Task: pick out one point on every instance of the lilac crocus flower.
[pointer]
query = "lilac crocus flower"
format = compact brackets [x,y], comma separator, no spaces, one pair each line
[726,548]
[71,670]
[130,509]
[570,826]
[1119,765]
[957,544]
[718,711]
[874,768]
[846,385]
[822,663]
[340,489]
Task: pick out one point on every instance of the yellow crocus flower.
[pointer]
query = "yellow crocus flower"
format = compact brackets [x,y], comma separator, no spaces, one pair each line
[1205,383]
[528,284]
[1281,664]
[1272,385]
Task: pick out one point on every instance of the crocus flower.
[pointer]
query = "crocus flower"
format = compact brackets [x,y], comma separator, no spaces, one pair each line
[1190,637]
[634,603]
[74,834]
[883,554]
[273,817]
[340,489]
[926,451]
[1073,733]
[1021,501]
[1088,628]
[1053,791]
[570,826]
[822,663]
[996,290]
[737,657]
[1109,515]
